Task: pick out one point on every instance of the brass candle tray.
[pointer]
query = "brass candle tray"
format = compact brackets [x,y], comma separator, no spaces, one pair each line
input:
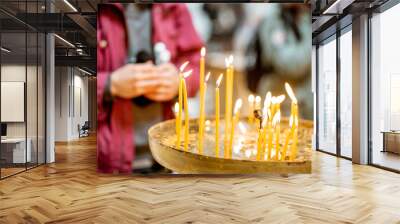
[162,139]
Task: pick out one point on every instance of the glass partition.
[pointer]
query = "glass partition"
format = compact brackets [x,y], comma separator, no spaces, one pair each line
[346,93]
[22,77]
[385,89]
[327,96]
[14,151]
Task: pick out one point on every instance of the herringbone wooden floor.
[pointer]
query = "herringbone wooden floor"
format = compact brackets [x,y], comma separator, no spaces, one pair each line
[70,191]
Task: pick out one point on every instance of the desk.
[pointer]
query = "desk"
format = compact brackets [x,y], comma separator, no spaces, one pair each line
[13,150]
[391,141]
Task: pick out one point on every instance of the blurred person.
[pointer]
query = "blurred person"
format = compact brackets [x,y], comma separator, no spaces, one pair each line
[281,47]
[135,89]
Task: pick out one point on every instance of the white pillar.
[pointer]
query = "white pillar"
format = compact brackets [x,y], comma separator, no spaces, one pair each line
[360,90]
[50,98]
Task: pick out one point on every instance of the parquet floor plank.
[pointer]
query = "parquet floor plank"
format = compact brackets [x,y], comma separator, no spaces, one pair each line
[70,191]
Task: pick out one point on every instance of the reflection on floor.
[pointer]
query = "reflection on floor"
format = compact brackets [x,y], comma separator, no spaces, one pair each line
[70,191]
[11,169]
[386,159]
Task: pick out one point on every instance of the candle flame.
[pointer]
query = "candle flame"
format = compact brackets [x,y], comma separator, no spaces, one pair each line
[290,92]
[176,107]
[203,51]
[219,79]
[267,101]
[183,66]
[207,76]
[280,98]
[258,99]
[273,100]
[187,74]
[238,105]
[227,62]
[231,59]
[276,118]
[251,98]
[265,120]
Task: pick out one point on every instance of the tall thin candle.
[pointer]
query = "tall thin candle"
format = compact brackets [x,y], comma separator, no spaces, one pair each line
[217,112]
[228,96]
[177,121]
[277,128]
[288,137]
[202,117]
[186,105]
[238,105]
[250,99]
[294,114]
[180,96]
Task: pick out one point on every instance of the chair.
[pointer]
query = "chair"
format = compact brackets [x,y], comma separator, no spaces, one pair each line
[84,130]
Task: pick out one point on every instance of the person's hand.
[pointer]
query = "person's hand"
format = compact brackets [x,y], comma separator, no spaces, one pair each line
[132,80]
[168,80]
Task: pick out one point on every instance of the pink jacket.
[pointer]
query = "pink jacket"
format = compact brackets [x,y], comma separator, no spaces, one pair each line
[172,25]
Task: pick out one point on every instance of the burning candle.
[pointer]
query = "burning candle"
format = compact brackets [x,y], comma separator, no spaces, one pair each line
[238,105]
[217,112]
[202,117]
[262,132]
[186,105]
[277,127]
[228,95]
[250,99]
[288,137]
[293,151]
[180,96]
[202,90]
[257,106]
[294,114]
[202,70]
[177,122]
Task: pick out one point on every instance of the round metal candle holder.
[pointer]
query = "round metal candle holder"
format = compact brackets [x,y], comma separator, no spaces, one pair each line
[162,139]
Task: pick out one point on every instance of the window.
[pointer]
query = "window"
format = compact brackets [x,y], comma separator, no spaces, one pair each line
[385,89]
[346,93]
[327,96]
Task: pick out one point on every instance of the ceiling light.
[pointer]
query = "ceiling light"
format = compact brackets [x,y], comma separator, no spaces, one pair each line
[65,41]
[70,5]
[84,71]
[337,7]
[5,50]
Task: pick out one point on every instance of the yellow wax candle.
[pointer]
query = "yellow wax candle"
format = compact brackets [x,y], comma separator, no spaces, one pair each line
[265,119]
[277,129]
[180,96]
[238,105]
[202,70]
[261,137]
[186,105]
[294,114]
[293,151]
[250,99]
[217,112]
[202,96]
[177,121]
[227,100]
[270,132]
[202,117]
[288,137]
[178,139]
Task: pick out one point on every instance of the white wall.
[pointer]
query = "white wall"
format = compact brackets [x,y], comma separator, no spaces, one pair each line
[71,94]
